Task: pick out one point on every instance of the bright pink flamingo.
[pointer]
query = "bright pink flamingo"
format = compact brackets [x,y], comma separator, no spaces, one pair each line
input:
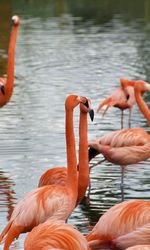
[123,225]
[126,96]
[52,201]
[58,175]
[55,235]
[123,147]
[7,84]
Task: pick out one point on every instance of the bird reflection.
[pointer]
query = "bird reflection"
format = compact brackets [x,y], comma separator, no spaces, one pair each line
[7,199]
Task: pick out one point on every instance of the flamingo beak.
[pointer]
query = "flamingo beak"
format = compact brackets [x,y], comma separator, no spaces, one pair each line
[91,114]
[2,88]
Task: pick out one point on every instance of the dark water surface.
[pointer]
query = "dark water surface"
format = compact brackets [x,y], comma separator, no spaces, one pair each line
[65,47]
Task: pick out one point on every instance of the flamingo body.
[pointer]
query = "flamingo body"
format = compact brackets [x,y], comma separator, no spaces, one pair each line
[125,224]
[139,247]
[57,175]
[55,235]
[124,147]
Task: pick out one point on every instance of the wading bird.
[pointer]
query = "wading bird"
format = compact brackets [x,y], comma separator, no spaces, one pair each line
[123,225]
[123,147]
[59,175]
[126,96]
[53,201]
[139,88]
[55,235]
[7,84]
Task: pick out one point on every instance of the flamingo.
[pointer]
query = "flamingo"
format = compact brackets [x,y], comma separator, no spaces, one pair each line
[126,96]
[58,175]
[123,147]
[123,225]
[51,201]
[139,247]
[7,84]
[55,235]
[139,88]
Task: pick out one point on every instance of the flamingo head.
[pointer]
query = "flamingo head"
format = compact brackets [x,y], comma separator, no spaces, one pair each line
[15,20]
[85,106]
[72,101]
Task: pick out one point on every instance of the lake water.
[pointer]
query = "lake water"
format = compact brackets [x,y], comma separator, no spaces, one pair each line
[65,47]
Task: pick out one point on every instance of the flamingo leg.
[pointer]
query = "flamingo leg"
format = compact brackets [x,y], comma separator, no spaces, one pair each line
[121,118]
[129,122]
[122,182]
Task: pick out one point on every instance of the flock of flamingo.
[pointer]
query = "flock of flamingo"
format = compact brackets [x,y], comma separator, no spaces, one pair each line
[43,212]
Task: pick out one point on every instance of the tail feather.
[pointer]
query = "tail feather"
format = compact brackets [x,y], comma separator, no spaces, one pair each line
[10,233]
[5,231]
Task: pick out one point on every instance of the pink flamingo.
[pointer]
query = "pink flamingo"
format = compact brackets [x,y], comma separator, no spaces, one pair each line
[7,84]
[139,88]
[126,96]
[123,147]
[52,201]
[58,175]
[123,225]
[55,235]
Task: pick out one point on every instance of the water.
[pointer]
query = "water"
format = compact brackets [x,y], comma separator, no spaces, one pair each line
[65,48]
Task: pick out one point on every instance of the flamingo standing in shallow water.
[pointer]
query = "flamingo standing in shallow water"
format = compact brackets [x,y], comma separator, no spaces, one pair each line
[52,201]
[7,84]
[58,175]
[123,147]
[126,96]
[123,225]
[55,235]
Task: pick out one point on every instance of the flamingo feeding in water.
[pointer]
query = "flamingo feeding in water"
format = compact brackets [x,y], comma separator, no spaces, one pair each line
[7,84]
[55,235]
[51,201]
[123,147]
[123,225]
[126,96]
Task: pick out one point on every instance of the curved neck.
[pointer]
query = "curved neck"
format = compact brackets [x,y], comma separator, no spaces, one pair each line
[72,180]
[142,105]
[83,177]
[10,65]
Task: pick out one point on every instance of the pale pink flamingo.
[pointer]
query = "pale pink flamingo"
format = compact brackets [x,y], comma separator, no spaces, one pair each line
[123,147]
[53,201]
[123,225]
[139,88]
[55,235]
[7,84]
[126,96]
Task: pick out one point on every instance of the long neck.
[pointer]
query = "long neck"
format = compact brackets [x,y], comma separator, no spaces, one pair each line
[83,177]
[142,106]
[10,65]
[72,180]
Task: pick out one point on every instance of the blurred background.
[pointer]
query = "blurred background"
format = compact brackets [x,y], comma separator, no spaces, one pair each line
[64,47]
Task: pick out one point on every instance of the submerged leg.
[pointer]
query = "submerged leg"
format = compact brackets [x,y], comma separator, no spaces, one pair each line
[129,122]
[121,118]
[122,182]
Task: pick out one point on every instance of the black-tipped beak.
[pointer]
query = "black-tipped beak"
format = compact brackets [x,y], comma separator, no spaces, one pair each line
[2,88]
[91,113]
